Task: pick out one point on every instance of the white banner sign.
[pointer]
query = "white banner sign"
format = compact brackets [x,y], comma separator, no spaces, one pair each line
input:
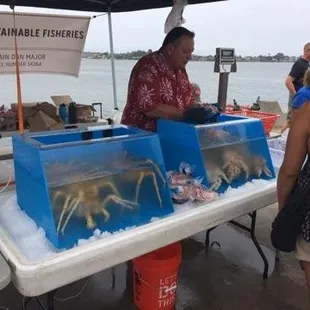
[46,43]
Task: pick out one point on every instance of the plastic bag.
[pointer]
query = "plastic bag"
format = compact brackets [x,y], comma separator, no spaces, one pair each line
[175,17]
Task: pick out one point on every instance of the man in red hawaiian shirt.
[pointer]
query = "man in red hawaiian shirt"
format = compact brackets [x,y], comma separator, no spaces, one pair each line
[159,86]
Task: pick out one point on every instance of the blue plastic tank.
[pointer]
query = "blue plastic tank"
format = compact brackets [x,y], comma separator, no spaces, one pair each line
[230,152]
[72,182]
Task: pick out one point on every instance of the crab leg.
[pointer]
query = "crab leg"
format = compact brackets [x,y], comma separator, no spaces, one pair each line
[64,209]
[214,187]
[157,170]
[216,184]
[56,195]
[124,203]
[259,172]
[224,177]
[141,177]
[267,172]
[75,205]
[112,186]
[245,168]
[89,220]
[92,173]
[115,191]
[106,214]
[226,165]
[151,163]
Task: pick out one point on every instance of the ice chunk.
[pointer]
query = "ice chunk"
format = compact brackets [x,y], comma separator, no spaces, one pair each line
[184,207]
[31,239]
[246,188]
[92,239]
[23,231]
[154,219]
[97,233]
[105,234]
[82,241]
[130,227]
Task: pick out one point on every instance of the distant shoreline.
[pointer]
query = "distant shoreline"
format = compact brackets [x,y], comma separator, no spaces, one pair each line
[135,55]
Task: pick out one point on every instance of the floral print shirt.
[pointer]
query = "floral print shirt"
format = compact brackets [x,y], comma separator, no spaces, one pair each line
[153,83]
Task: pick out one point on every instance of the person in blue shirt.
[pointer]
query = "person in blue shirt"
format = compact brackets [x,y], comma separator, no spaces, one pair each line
[294,81]
[301,97]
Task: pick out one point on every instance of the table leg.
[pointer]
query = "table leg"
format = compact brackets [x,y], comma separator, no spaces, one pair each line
[129,277]
[277,255]
[113,278]
[26,300]
[260,250]
[207,240]
[50,301]
[251,230]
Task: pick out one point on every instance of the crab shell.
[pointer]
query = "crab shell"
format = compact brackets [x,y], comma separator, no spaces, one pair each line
[234,164]
[260,167]
[218,133]
[216,177]
[232,172]
[232,156]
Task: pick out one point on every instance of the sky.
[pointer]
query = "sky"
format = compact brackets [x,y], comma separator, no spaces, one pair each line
[252,27]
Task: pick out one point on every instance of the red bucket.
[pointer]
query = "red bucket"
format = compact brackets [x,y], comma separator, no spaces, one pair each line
[156,277]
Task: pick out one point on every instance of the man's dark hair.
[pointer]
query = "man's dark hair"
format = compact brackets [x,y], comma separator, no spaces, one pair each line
[175,34]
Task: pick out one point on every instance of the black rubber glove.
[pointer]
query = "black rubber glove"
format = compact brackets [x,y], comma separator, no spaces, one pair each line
[200,115]
[195,115]
[216,107]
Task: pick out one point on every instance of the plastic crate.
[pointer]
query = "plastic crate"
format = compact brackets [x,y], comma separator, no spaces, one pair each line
[230,107]
[268,119]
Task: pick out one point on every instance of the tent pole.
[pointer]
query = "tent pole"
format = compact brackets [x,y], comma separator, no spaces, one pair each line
[112,58]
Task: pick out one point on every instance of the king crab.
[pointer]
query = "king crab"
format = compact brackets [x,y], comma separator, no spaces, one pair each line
[219,134]
[216,176]
[144,167]
[234,165]
[86,200]
[81,191]
[260,167]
